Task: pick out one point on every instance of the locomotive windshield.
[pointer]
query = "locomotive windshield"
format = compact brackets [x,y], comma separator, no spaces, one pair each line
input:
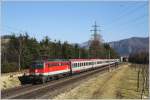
[37,65]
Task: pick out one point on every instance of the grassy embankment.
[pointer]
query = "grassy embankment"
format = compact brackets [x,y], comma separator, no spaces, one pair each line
[10,80]
[119,83]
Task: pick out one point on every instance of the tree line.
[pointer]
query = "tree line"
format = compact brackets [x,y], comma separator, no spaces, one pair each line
[139,58]
[21,50]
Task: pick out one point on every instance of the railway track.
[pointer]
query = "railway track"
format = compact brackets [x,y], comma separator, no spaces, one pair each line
[48,89]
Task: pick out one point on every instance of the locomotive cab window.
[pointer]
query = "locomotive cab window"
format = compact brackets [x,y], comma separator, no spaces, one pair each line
[37,65]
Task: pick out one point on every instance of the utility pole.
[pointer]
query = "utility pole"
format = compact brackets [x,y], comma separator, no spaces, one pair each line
[79,53]
[88,50]
[109,64]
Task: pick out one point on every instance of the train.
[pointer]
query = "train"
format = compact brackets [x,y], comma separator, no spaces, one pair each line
[45,70]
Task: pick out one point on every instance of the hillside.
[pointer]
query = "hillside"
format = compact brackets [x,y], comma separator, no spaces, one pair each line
[126,46]
[131,45]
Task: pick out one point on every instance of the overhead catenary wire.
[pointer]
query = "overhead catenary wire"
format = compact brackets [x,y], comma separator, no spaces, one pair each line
[126,14]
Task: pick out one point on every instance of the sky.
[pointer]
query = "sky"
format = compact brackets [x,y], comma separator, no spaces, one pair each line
[72,21]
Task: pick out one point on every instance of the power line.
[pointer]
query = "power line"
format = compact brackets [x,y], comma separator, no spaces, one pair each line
[134,21]
[126,14]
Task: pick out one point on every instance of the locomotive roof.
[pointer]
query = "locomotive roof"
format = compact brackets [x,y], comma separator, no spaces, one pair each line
[53,60]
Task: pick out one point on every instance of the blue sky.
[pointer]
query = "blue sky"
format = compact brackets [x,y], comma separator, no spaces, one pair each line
[72,21]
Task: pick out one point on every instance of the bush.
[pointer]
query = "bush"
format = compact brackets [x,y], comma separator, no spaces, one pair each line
[9,67]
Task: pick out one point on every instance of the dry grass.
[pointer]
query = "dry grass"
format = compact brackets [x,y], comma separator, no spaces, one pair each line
[9,82]
[120,83]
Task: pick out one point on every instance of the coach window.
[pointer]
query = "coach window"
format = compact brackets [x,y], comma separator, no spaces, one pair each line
[79,64]
[75,64]
[87,63]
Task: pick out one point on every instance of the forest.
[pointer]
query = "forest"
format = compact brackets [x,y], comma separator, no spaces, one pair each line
[19,51]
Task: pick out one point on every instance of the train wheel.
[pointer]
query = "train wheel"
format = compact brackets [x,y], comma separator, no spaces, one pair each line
[56,77]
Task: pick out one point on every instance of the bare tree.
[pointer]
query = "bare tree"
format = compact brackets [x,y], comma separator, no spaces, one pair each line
[20,49]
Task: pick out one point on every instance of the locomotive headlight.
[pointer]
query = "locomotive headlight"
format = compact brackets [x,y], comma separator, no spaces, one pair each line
[35,70]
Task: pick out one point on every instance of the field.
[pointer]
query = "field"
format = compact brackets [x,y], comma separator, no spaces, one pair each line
[117,84]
